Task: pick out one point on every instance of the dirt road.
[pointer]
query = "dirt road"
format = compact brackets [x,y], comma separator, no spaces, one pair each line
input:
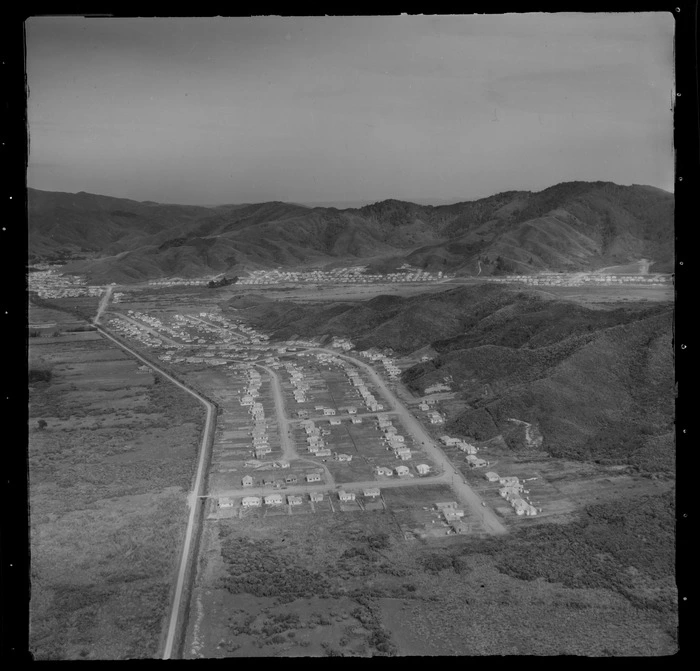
[491,523]
[104,301]
[194,501]
[288,448]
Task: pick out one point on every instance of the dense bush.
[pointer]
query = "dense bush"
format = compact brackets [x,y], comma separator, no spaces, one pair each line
[627,546]
[256,567]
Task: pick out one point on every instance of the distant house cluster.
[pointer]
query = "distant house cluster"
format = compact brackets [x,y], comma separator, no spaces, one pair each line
[48,283]
[353,275]
[581,279]
[182,281]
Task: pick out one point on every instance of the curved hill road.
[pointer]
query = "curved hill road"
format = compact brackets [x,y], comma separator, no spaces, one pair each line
[491,523]
[194,501]
[103,303]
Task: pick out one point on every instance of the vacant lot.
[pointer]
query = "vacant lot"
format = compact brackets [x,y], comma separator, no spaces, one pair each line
[111,454]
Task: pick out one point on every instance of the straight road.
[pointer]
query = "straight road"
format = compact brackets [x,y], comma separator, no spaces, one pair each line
[442,479]
[194,501]
[491,523]
[288,448]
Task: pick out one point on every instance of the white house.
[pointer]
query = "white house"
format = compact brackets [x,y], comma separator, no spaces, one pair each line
[343,457]
[294,500]
[313,477]
[371,493]
[225,502]
[383,470]
[423,469]
[316,496]
[250,501]
[335,421]
[346,496]
[402,470]
[357,420]
[328,411]
[466,447]
[247,481]
[475,462]
[491,476]
[273,500]
[453,514]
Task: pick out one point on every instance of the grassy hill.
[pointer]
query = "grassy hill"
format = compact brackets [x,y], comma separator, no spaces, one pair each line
[598,384]
[570,226]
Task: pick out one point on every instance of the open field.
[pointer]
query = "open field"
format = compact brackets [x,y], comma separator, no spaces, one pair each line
[594,297]
[111,455]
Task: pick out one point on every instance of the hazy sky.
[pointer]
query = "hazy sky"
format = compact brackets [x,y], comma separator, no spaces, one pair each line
[338,109]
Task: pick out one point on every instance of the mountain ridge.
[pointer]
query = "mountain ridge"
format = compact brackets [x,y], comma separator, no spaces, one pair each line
[569,226]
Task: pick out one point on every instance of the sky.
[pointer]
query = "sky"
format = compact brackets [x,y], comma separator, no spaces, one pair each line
[348,109]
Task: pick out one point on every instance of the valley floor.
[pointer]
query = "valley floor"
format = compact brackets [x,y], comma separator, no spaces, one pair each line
[377,574]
